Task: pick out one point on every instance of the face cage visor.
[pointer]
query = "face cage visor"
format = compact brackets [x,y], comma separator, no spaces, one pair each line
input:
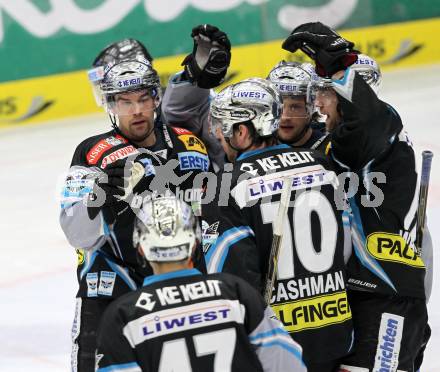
[301,105]
[143,100]
[95,76]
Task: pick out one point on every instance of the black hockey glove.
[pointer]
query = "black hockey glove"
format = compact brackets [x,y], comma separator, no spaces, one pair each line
[330,51]
[207,64]
[112,187]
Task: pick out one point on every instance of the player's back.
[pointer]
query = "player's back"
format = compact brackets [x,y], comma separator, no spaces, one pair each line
[185,321]
[309,294]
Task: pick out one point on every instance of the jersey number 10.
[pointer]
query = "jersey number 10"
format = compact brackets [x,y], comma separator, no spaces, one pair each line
[313,261]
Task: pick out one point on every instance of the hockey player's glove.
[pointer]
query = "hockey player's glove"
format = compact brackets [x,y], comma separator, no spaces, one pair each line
[112,187]
[330,51]
[206,66]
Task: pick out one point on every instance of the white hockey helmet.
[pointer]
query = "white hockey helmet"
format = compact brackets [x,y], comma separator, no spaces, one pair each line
[294,79]
[253,100]
[127,76]
[368,68]
[166,229]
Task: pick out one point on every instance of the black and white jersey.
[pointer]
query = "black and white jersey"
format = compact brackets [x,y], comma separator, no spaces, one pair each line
[309,295]
[184,321]
[372,147]
[108,265]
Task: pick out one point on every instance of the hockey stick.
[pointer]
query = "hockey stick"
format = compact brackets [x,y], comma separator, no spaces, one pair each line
[278,227]
[423,198]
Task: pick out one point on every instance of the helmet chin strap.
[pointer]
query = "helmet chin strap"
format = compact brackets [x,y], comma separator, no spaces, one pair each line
[239,151]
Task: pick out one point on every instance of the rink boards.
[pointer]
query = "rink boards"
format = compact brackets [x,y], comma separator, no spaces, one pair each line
[69,94]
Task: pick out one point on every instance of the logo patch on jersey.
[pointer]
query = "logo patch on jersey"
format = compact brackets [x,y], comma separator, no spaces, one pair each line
[144,301]
[106,283]
[272,183]
[248,167]
[192,143]
[388,343]
[80,256]
[193,160]
[183,318]
[392,247]
[209,235]
[314,312]
[102,146]
[361,283]
[77,184]
[149,167]
[92,284]
[180,131]
[118,154]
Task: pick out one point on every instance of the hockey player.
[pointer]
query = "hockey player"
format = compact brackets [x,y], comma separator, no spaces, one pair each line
[326,100]
[101,229]
[386,274]
[309,294]
[295,83]
[186,100]
[181,320]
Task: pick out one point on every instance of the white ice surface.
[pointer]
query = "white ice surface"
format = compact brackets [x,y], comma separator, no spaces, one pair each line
[37,275]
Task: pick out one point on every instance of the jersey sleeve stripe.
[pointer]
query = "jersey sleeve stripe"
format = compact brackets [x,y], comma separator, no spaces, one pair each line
[122,274]
[272,332]
[359,247]
[274,335]
[89,259]
[217,255]
[126,367]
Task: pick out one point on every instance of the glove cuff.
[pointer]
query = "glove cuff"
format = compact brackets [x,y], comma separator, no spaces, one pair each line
[327,65]
[211,76]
